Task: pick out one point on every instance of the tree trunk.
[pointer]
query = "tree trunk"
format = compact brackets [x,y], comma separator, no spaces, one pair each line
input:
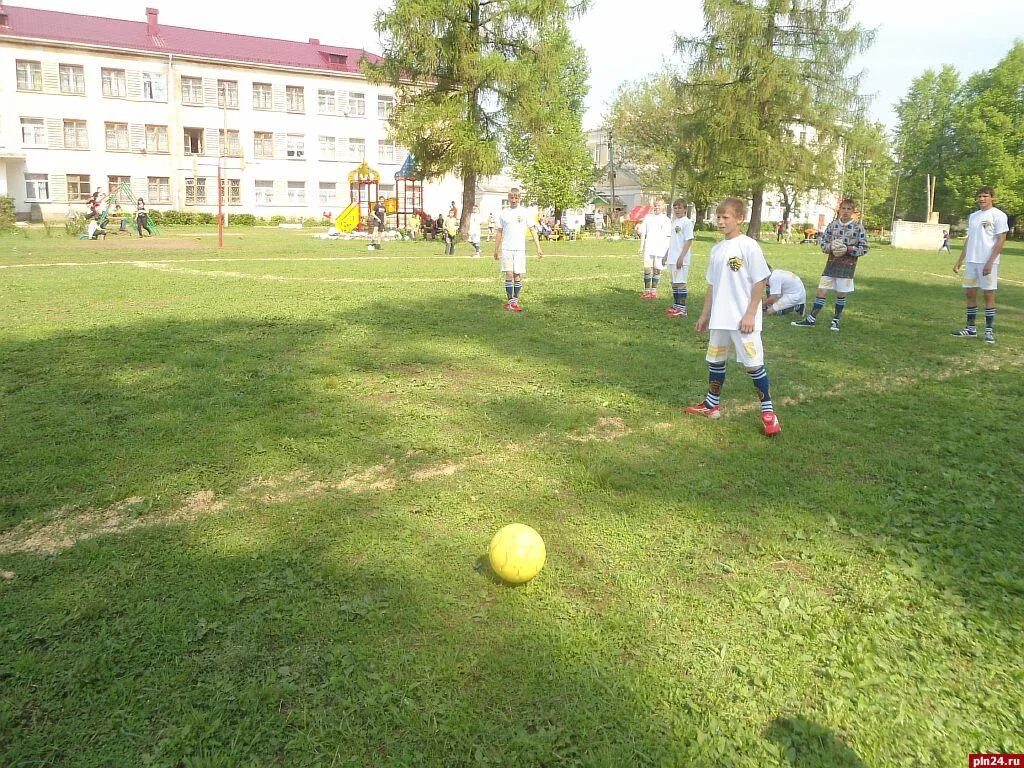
[787,204]
[468,200]
[754,230]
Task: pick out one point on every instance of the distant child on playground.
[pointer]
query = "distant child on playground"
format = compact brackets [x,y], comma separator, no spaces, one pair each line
[451,231]
[510,246]
[474,230]
[680,241]
[945,241]
[655,231]
[736,277]
[142,218]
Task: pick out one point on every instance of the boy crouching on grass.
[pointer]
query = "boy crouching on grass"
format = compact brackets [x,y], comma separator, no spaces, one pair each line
[732,311]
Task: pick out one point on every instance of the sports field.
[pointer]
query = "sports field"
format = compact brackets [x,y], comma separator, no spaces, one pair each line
[245,495]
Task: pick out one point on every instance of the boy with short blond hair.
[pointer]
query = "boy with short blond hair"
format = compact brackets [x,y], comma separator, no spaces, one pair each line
[678,261]
[986,234]
[737,274]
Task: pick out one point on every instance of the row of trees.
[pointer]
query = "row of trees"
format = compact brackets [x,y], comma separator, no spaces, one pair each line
[761,101]
[967,133]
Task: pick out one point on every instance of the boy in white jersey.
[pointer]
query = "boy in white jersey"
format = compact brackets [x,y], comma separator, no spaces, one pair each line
[786,293]
[737,274]
[986,235]
[510,246]
[655,229]
[680,241]
[474,230]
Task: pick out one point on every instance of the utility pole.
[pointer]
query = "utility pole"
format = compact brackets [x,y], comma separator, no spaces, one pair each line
[611,172]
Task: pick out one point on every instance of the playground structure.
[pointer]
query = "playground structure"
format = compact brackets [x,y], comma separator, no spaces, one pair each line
[364,190]
[408,192]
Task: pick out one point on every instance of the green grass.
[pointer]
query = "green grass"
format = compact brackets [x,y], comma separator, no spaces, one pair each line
[244,506]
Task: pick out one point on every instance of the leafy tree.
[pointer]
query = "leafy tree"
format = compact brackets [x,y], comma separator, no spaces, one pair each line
[760,70]
[924,140]
[869,172]
[468,75]
[552,161]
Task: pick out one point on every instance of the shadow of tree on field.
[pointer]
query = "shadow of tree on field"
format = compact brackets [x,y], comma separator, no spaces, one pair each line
[806,744]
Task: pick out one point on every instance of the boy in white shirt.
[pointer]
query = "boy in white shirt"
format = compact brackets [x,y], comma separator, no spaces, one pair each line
[737,274]
[510,246]
[655,232]
[786,293]
[986,235]
[680,241]
[474,230]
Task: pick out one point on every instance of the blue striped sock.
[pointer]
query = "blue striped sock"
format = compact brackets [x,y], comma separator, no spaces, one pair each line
[972,317]
[840,306]
[654,281]
[647,282]
[508,289]
[990,317]
[682,298]
[716,380]
[760,379]
[817,306]
[517,286]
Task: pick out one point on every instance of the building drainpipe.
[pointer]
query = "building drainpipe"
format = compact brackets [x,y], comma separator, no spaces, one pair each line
[173,129]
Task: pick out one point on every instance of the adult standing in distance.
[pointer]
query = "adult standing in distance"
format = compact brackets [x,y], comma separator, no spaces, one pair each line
[986,235]
[510,247]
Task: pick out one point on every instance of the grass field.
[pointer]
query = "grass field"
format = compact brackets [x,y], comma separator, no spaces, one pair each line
[245,496]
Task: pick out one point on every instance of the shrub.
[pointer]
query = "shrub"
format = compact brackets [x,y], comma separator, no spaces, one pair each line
[242,220]
[275,220]
[313,222]
[204,218]
[157,217]
[6,213]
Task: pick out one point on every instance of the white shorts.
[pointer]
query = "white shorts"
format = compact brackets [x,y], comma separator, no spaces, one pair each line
[837,284]
[680,275]
[785,302]
[974,279]
[654,262]
[513,261]
[745,347]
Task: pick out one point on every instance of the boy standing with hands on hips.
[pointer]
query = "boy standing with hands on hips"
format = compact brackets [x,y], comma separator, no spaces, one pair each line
[736,277]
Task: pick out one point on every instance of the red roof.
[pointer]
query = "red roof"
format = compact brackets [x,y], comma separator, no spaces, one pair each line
[182,41]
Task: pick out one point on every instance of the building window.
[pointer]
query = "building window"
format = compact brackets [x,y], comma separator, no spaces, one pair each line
[37,186]
[195,191]
[158,189]
[116,136]
[113,83]
[328,193]
[75,135]
[326,103]
[264,192]
[156,138]
[387,151]
[154,87]
[262,96]
[357,104]
[296,146]
[227,94]
[78,187]
[230,145]
[232,191]
[30,75]
[262,144]
[295,98]
[357,149]
[33,132]
[385,106]
[328,148]
[115,184]
[72,78]
[297,192]
[192,90]
[193,141]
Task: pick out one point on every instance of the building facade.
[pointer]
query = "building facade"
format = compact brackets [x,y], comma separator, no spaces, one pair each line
[93,103]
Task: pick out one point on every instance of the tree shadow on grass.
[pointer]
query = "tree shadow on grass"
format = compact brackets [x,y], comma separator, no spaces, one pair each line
[806,744]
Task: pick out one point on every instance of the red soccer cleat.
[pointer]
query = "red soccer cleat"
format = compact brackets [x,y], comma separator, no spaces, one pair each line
[674,311]
[515,306]
[701,409]
[645,295]
[771,423]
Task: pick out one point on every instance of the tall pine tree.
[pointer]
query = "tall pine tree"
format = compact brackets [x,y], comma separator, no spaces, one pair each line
[761,71]
[469,75]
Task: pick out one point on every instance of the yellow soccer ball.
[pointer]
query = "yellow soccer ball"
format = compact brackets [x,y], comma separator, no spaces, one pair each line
[517,553]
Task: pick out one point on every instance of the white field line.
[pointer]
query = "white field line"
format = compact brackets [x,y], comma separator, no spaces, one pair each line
[272,259]
[958,278]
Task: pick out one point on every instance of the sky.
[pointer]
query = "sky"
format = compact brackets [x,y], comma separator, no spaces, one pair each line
[628,41]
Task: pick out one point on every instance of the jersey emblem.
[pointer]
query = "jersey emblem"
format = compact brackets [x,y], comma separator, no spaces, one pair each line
[735,263]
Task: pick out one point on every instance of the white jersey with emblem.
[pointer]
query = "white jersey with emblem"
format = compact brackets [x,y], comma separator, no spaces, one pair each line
[736,265]
[657,232]
[682,232]
[983,228]
[513,223]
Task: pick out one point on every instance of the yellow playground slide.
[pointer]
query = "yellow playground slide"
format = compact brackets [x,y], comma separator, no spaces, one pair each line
[348,219]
